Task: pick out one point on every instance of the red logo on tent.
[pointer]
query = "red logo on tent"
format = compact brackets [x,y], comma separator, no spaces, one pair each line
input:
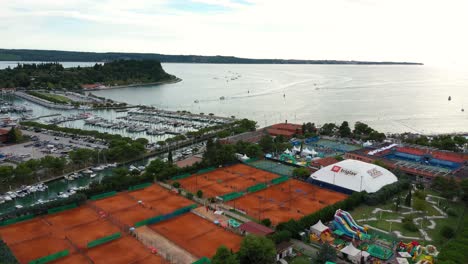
[336,168]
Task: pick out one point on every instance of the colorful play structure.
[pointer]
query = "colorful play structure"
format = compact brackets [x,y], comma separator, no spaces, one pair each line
[288,158]
[419,254]
[344,224]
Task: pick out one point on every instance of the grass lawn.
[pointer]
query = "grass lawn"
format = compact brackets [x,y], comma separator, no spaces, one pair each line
[364,212]
[57,97]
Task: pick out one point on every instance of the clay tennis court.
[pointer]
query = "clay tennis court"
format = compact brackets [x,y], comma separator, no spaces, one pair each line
[131,215]
[39,247]
[24,231]
[123,250]
[198,236]
[290,199]
[226,180]
[75,258]
[72,217]
[116,202]
[83,234]
[153,192]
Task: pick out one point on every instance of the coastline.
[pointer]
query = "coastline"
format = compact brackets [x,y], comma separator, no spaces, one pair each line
[176,80]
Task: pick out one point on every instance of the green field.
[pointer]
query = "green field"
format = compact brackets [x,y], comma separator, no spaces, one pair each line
[365,212]
[54,98]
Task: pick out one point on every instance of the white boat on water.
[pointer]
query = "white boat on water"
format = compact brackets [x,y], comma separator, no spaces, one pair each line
[112,165]
[132,168]
[93,175]
[142,168]
[98,168]
[87,171]
[7,197]
[19,206]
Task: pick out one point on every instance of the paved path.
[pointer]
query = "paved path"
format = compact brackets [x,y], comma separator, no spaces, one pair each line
[305,248]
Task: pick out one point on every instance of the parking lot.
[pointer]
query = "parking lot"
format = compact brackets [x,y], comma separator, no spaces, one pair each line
[47,143]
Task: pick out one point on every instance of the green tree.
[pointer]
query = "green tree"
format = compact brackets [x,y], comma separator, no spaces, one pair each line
[419,204]
[23,173]
[397,203]
[14,135]
[224,256]
[408,198]
[301,172]
[328,129]
[176,184]
[199,193]
[266,222]
[169,157]
[6,173]
[344,129]
[447,232]
[257,250]
[326,253]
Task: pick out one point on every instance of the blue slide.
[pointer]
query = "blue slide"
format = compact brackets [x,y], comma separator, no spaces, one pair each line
[345,223]
[350,220]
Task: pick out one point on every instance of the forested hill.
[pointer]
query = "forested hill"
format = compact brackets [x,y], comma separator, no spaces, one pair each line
[54,75]
[55,55]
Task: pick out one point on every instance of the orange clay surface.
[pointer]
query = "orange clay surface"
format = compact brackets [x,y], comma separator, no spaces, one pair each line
[47,234]
[83,234]
[117,202]
[39,247]
[198,236]
[75,258]
[290,199]
[226,180]
[73,217]
[15,233]
[121,251]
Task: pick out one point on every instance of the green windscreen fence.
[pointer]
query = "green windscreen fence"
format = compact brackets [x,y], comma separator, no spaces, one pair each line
[160,218]
[50,257]
[205,170]
[139,186]
[203,260]
[231,196]
[103,240]
[16,220]
[181,176]
[103,195]
[61,208]
[279,180]
[256,187]
[251,160]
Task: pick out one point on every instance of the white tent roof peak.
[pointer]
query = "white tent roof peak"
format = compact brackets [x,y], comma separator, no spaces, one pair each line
[319,226]
[350,250]
[355,175]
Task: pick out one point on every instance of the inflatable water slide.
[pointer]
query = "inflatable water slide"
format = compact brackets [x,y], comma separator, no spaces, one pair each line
[346,224]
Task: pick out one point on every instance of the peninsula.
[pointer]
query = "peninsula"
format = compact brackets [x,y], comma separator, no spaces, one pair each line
[77,56]
[116,73]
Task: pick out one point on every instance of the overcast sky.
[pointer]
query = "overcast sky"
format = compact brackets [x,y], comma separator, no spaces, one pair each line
[429,31]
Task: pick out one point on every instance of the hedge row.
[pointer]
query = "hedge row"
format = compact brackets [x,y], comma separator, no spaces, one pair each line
[6,256]
[354,200]
[42,209]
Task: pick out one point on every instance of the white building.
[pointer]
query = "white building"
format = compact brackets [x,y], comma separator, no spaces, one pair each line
[353,175]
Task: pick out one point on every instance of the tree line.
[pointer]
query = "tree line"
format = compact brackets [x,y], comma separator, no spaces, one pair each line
[55,76]
[361,131]
[454,143]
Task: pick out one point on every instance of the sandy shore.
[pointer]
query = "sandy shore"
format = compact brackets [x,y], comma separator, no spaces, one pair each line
[176,80]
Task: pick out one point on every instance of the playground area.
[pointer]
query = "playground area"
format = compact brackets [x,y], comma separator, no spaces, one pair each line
[274,167]
[354,242]
[226,180]
[290,199]
[196,235]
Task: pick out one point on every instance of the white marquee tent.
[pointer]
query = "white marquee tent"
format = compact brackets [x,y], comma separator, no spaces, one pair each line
[318,228]
[355,175]
[354,254]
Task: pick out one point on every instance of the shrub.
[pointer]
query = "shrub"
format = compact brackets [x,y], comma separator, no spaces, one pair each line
[408,224]
[176,185]
[199,193]
[447,231]
[420,194]
[452,212]
[189,195]
[266,222]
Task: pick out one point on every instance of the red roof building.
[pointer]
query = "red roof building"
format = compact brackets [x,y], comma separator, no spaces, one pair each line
[255,229]
[4,135]
[284,129]
[320,163]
